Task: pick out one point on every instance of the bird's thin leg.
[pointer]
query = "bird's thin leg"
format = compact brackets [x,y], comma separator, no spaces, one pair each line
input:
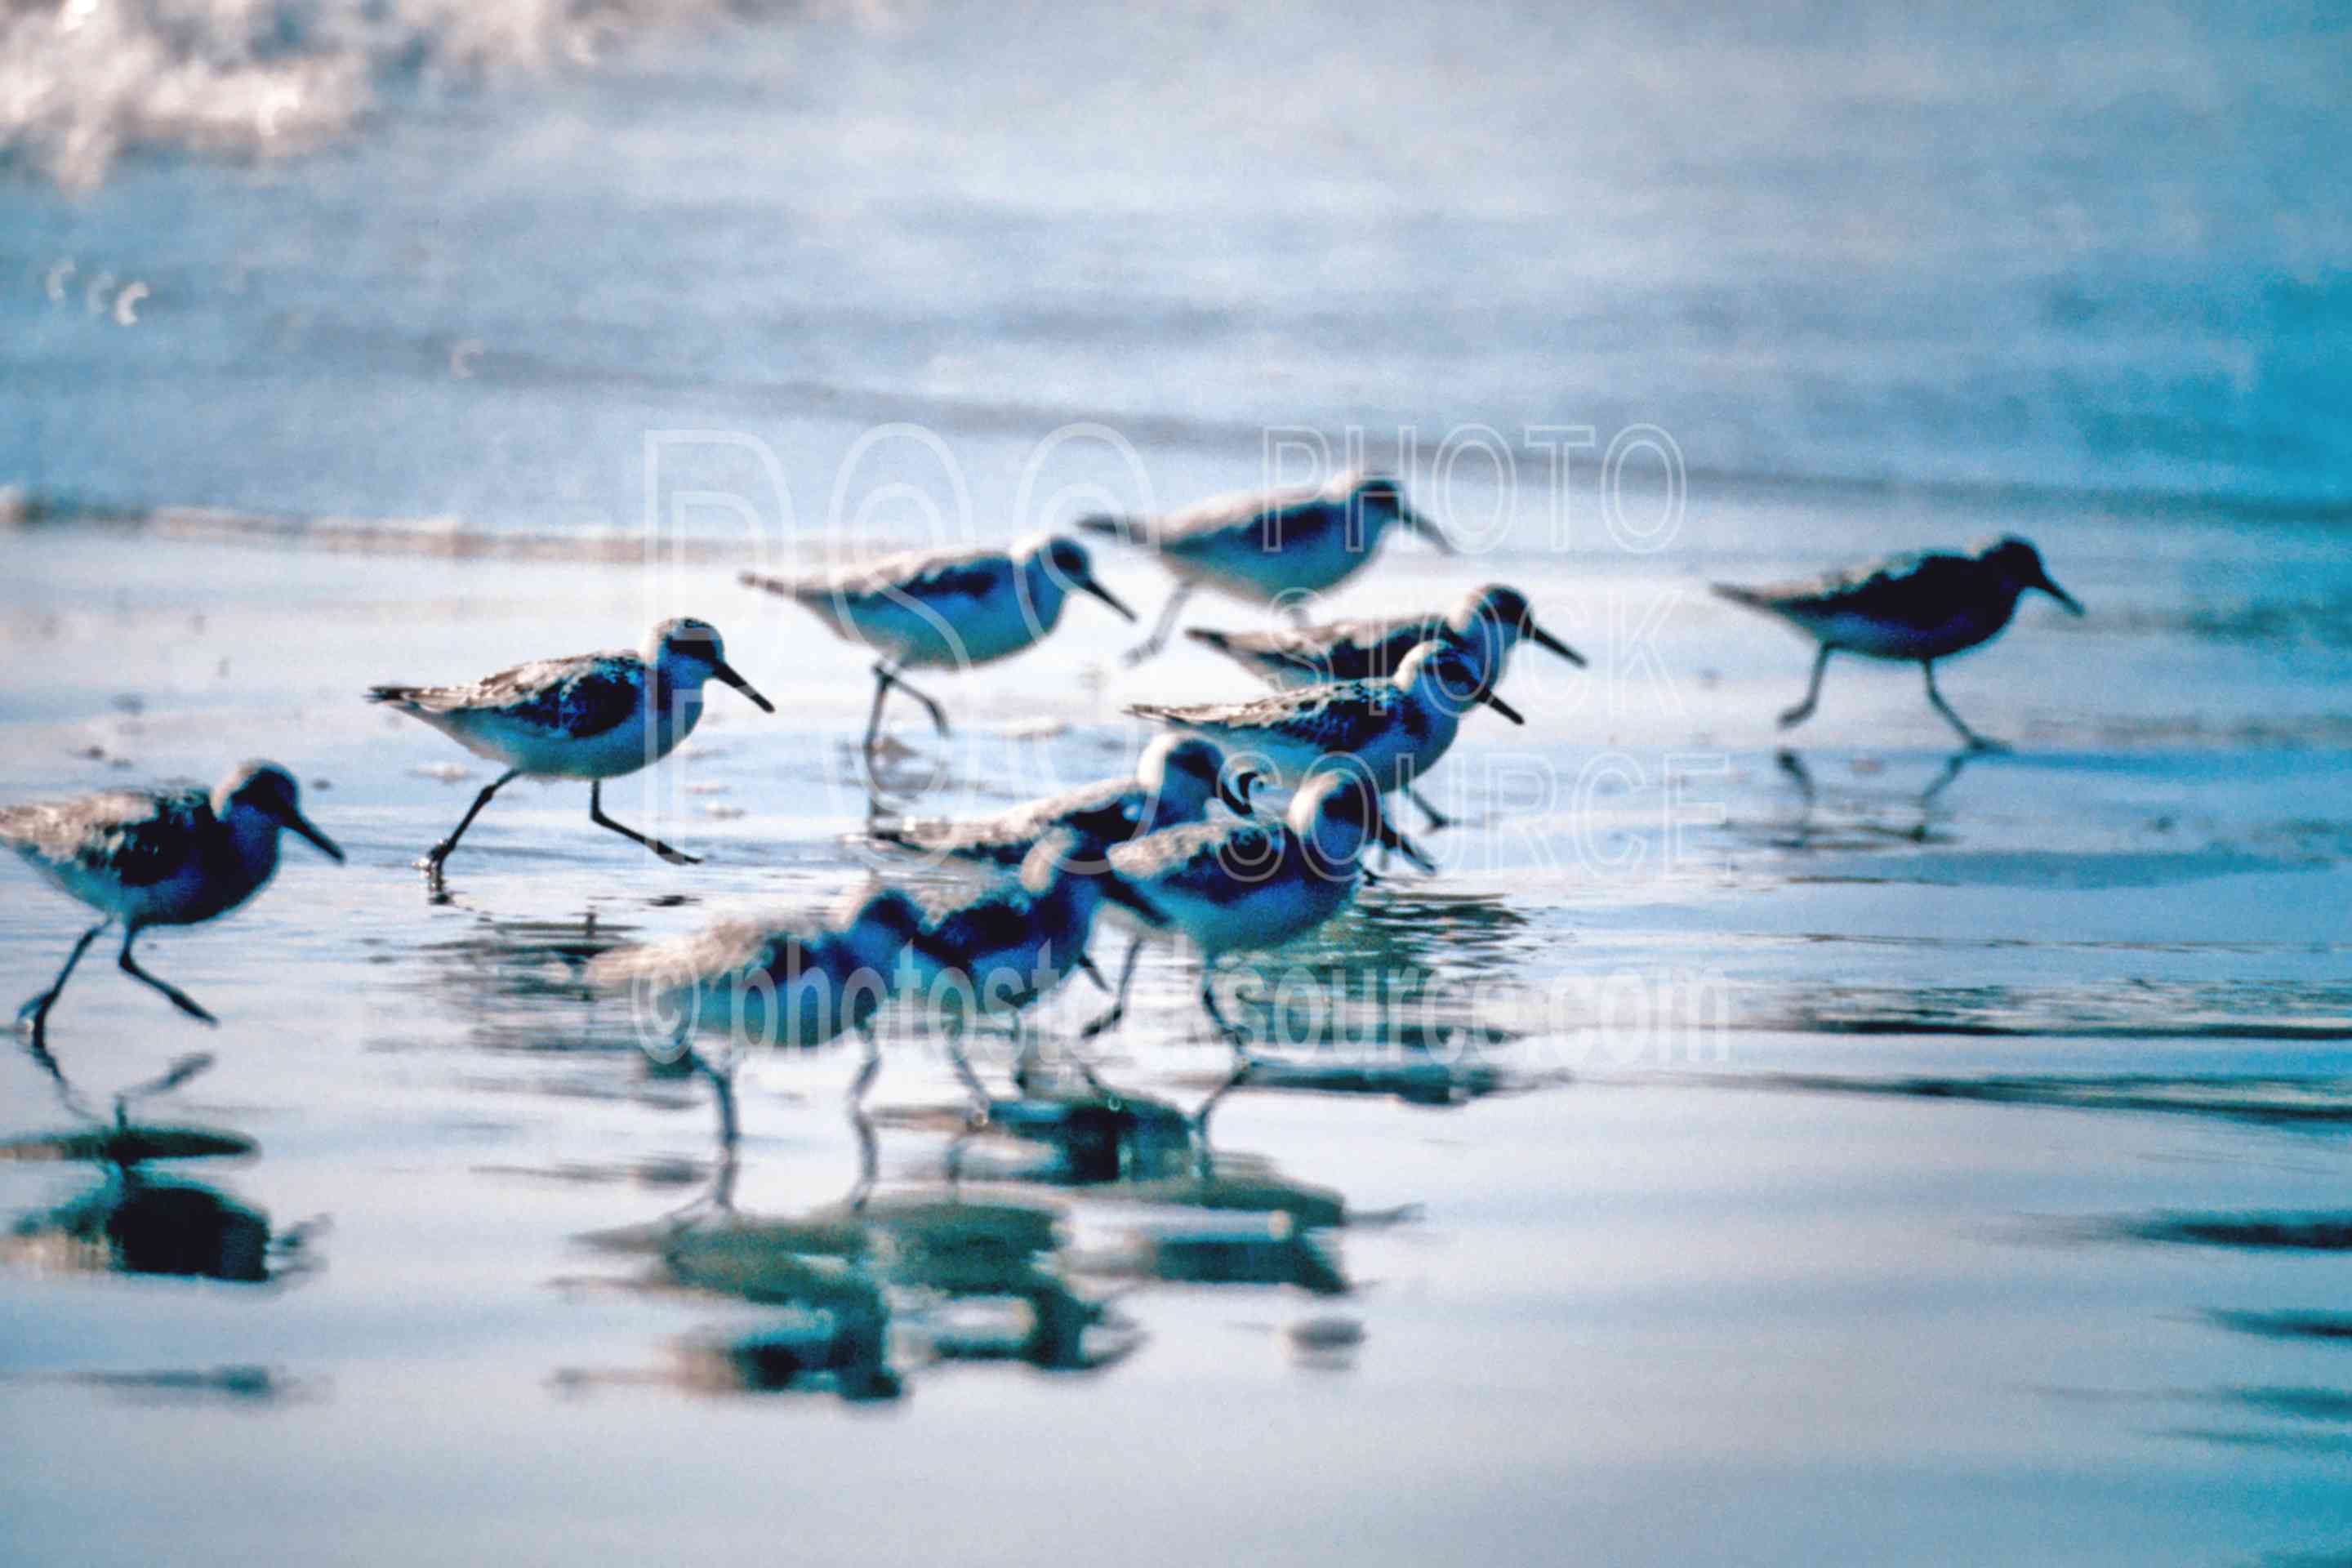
[881,696]
[869,1158]
[1023,1043]
[1204,1158]
[1111,1019]
[1799,775]
[1023,1054]
[1804,710]
[194,1064]
[1162,627]
[596,815]
[1436,818]
[1976,743]
[440,852]
[1807,795]
[867,1070]
[177,997]
[1952,766]
[1232,1037]
[869,1155]
[890,678]
[36,1012]
[962,1064]
[874,738]
[730,1133]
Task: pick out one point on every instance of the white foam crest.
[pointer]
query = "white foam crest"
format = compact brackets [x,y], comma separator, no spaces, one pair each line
[85,82]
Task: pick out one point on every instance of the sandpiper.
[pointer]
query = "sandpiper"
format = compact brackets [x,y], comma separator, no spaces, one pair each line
[150,858]
[992,950]
[1269,546]
[946,609]
[786,982]
[1487,623]
[1244,886]
[596,717]
[1914,608]
[1394,728]
[794,983]
[1174,783]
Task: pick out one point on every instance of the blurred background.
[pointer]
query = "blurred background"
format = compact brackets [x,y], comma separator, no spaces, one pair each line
[410,258]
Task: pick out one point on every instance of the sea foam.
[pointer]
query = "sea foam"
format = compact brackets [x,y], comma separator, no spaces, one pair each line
[84,83]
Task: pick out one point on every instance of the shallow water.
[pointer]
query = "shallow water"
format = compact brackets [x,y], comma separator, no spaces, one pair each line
[1844,1153]
[1956,1180]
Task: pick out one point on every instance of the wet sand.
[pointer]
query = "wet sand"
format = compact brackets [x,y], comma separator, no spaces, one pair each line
[1841,1174]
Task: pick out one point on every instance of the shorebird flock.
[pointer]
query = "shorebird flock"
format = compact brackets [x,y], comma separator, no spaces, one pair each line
[1178,850]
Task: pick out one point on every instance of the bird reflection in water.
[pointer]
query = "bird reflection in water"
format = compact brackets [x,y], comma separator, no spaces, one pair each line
[867,1287]
[1160,1204]
[886,1285]
[134,1221]
[1225,1218]
[1858,823]
[521,986]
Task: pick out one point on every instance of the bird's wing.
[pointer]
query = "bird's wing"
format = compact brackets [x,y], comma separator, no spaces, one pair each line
[1214,515]
[929,575]
[717,950]
[1206,520]
[953,571]
[976,927]
[135,837]
[1111,818]
[1106,812]
[1338,716]
[583,695]
[1199,857]
[1920,590]
[1356,650]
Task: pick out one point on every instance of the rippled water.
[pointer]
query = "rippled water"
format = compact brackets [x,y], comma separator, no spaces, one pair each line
[1955,1178]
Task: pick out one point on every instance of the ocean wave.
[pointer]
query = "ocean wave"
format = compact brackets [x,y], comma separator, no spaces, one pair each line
[85,83]
[2267,1101]
[450,537]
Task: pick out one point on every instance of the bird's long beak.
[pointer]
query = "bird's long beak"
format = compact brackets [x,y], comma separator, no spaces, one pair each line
[1105,595]
[1427,530]
[2055,592]
[726,672]
[1499,706]
[309,830]
[1543,639]
[1236,791]
[1389,838]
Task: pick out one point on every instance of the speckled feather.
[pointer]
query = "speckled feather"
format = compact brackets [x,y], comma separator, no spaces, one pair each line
[1206,520]
[933,576]
[1338,650]
[1918,592]
[580,697]
[1200,859]
[1337,717]
[726,947]
[135,837]
[1109,812]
